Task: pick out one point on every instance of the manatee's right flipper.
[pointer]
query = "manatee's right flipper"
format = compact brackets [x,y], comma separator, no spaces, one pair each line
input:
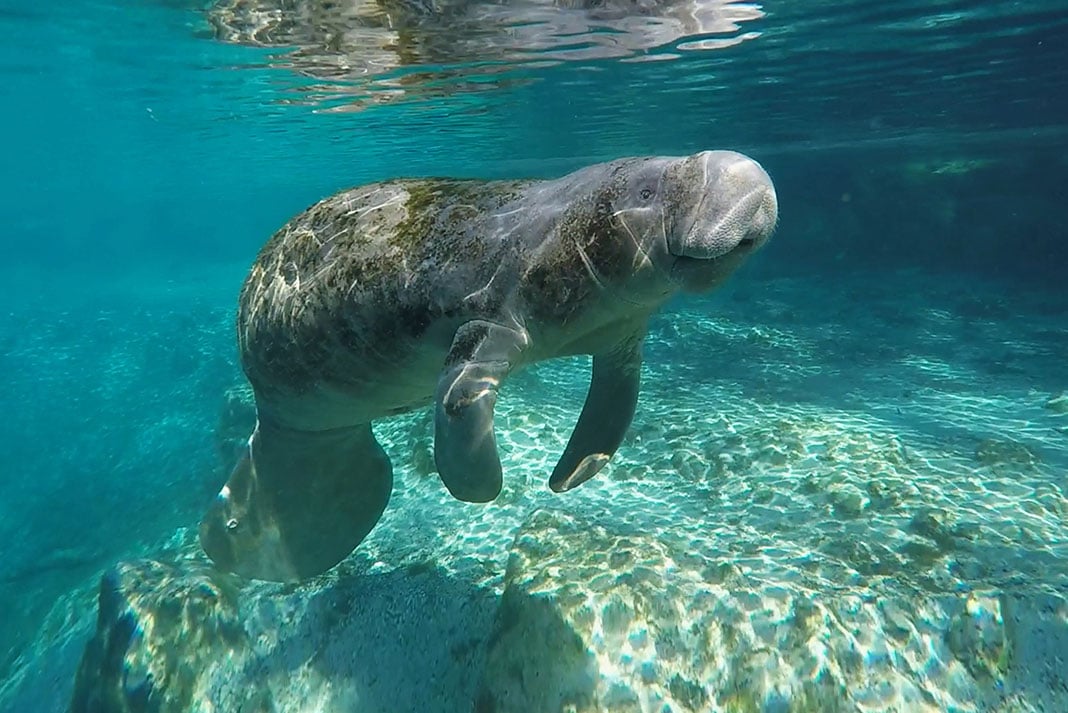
[298,502]
[465,448]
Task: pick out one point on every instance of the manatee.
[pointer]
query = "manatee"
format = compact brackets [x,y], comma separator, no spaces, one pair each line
[409,293]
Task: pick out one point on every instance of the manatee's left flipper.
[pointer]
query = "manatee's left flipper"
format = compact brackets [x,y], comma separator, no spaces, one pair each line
[465,448]
[605,416]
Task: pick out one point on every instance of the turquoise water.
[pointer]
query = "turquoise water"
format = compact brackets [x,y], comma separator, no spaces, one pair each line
[855,454]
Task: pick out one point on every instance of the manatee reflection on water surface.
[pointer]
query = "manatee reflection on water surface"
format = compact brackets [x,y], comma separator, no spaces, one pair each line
[425,48]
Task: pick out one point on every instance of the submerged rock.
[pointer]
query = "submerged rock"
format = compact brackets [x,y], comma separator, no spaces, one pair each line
[599,620]
[158,628]
[1059,403]
[1005,453]
[180,638]
[978,638]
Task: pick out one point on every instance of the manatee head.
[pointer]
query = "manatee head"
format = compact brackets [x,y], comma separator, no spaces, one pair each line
[693,220]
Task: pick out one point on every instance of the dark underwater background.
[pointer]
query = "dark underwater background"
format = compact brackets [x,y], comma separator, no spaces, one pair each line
[919,150]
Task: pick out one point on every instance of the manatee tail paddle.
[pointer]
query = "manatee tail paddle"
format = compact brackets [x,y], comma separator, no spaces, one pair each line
[297,502]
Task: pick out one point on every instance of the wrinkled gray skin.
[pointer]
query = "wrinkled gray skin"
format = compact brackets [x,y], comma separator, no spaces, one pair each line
[393,296]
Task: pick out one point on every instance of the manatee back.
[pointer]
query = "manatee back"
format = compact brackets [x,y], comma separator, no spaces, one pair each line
[350,283]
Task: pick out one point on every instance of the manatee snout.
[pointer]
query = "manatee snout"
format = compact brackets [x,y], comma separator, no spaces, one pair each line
[736,207]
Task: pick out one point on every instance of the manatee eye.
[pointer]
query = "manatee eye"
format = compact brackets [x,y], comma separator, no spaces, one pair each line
[645,193]
[232,525]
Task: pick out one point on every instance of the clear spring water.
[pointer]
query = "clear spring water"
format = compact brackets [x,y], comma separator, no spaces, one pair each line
[889,371]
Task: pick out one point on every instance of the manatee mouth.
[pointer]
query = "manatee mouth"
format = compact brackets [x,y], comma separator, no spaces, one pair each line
[746,224]
[684,265]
